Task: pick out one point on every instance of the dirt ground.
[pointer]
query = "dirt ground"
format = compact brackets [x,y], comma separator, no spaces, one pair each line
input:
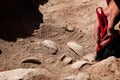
[57,15]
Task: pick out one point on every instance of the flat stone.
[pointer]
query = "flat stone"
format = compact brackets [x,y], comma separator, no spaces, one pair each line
[34,60]
[89,57]
[79,64]
[76,48]
[0,52]
[71,77]
[67,60]
[80,76]
[22,74]
[83,76]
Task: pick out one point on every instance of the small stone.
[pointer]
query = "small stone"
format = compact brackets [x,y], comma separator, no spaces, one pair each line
[20,40]
[89,57]
[31,60]
[76,48]
[83,76]
[78,64]
[32,40]
[71,77]
[50,45]
[69,28]
[62,57]
[67,60]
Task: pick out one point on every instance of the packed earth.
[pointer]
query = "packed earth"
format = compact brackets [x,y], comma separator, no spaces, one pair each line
[52,40]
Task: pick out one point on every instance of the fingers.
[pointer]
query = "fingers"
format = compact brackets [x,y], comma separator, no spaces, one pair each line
[110,26]
[110,20]
[111,13]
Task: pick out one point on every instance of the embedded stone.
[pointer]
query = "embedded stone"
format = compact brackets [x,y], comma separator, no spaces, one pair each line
[76,48]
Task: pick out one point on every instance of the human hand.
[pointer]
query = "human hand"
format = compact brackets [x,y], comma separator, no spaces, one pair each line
[111,12]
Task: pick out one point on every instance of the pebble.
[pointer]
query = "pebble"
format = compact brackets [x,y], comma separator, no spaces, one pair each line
[89,57]
[83,76]
[69,28]
[71,77]
[76,48]
[20,40]
[67,60]
[34,60]
[32,40]
[78,64]
[80,76]
[62,57]
[50,45]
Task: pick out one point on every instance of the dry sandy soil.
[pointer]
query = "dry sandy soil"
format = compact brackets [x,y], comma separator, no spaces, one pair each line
[56,16]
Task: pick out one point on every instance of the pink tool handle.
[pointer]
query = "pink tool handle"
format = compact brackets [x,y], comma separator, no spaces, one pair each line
[103,24]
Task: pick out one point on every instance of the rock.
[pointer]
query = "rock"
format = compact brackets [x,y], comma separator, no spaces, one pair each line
[50,45]
[79,64]
[104,64]
[76,48]
[71,77]
[80,76]
[62,57]
[89,57]
[69,28]
[20,40]
[105,69]
[32,40]
[83,76]
[67,60]
[34,60]
[22,74]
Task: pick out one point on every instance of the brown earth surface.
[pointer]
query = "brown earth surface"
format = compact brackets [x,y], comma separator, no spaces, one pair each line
[21,35]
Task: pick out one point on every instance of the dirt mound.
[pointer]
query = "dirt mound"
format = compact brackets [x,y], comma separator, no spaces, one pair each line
[63,21]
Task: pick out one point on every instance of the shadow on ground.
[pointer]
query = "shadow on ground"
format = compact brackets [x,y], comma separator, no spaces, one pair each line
[19,18]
